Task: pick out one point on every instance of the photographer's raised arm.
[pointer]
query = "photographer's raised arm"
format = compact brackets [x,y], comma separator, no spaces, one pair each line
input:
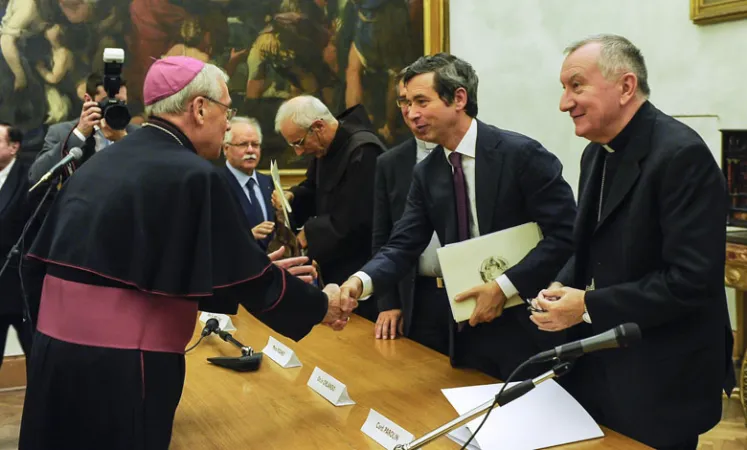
[59,140]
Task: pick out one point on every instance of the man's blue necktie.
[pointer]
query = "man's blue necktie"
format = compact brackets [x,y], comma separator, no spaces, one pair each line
[256,208]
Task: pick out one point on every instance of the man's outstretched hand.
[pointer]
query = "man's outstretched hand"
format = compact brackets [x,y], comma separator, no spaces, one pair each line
[339,310]
[296,266]
[351,289]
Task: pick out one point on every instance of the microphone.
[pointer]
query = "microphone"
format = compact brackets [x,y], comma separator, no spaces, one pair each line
[249,360]
[75,154]
[621,336]
[211,326]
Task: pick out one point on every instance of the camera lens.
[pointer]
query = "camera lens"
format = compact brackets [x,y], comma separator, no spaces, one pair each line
[116,114]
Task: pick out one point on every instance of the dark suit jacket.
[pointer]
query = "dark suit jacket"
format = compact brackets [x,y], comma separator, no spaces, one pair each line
[517,181]
[393,177]
[13,215]
[60,137]
[265,185]
[657,257]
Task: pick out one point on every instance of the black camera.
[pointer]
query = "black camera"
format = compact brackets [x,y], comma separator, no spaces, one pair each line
[114,111]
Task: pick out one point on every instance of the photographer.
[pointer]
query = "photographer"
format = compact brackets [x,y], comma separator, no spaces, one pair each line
[90,132]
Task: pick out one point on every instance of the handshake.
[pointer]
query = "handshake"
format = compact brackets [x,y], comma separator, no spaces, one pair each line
[339,309]
[342,301]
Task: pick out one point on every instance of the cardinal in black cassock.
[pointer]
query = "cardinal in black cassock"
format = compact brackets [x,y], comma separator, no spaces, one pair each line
[139,238]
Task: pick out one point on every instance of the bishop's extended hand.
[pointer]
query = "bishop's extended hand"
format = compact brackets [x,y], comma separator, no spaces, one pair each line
[338,312]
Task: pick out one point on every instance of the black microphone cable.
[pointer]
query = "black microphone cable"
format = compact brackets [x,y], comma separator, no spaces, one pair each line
[211,326]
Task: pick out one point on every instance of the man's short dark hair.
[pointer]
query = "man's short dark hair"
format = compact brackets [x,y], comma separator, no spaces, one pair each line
[449,74]
[94,80]
[14,134]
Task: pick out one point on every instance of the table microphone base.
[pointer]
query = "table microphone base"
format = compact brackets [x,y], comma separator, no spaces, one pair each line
[247,363]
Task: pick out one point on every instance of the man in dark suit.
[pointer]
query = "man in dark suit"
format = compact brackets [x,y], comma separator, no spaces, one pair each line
[13,215]
[418,306]
[89,132]
[253,190]
[503,179]
[650,242]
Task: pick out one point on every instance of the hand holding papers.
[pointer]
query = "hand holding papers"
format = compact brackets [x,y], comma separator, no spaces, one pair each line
[483,259]
[286,208]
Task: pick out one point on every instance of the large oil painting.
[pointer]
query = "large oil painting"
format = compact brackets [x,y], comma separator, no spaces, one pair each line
[342,51]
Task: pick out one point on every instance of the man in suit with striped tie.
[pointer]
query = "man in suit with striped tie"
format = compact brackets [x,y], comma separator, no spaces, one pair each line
[243,149]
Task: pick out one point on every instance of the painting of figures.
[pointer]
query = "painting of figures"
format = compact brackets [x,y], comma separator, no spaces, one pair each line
[343,51]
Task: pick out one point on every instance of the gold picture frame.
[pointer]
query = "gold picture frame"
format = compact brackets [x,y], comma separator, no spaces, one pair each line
[436,26]
[703,12]
[435,40]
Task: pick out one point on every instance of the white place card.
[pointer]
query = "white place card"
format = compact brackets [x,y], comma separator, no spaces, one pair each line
[387,433]
[224,321]
[281,354]
[330,388]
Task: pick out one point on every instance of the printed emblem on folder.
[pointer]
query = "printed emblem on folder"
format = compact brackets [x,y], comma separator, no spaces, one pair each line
[470,263]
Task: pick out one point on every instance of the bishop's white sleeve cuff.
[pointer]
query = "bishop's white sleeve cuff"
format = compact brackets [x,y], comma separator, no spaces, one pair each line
[367,284]
[508,288]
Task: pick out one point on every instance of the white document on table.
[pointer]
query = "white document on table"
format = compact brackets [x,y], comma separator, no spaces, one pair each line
[544,417]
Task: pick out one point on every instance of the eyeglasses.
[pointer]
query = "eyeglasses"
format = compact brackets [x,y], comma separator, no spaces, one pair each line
[230,112]
[243,145]
[402,102]
[299,143]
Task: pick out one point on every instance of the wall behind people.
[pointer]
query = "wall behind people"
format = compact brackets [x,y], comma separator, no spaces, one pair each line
[693,70]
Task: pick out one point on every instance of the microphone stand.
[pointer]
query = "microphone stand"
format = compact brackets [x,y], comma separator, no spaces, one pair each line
[226,336]
[508,395]
[247,362]
[16,250]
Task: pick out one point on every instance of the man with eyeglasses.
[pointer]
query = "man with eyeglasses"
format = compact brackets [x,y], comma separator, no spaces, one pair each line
[417,307]
[335,202]
[243,149]
[143,236]
[479,180]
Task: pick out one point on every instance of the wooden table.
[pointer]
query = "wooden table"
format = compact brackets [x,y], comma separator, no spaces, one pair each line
[274,409]
[735,276]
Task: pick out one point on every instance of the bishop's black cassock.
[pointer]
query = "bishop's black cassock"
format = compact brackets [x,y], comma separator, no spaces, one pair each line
[139,238]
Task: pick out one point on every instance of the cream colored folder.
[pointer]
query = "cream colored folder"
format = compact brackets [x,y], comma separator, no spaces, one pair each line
[476,261]
[275,173]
